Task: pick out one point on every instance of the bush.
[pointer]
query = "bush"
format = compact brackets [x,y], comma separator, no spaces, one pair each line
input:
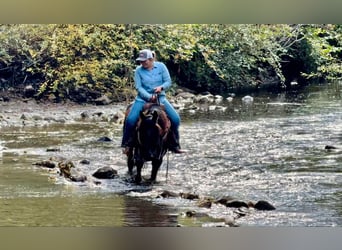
[83,62]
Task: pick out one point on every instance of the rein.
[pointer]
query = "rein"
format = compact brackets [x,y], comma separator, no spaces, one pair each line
[157,98]
[164,138]
[167,165]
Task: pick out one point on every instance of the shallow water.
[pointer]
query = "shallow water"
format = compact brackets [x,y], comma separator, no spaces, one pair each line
[271,149]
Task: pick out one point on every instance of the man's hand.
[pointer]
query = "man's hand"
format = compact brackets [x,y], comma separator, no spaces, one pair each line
[157,90]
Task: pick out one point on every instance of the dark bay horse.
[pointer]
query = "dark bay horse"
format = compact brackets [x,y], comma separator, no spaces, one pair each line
[150,141]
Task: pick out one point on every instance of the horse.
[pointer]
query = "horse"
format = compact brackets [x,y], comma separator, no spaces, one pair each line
[151,137]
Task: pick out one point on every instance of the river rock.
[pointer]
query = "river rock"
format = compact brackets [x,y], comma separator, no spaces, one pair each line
[104,139]
[58,120]
[29,91]
[5,98]
[52,150]
[78,178]
[224,200]
[218,99]
[65,168]
[247,99]
[193,213]
[105,173]
[167,194]
[209,98]
[40,118]
[221,108]
[46,164]
[97,114]
[230,221]
[263,205]
[85,114]
[185,95]
[189,196]
[229,99]
[241,212]
[211,107]
[205,202]
[236,204]
[85,162]
[103,100]
[118,117]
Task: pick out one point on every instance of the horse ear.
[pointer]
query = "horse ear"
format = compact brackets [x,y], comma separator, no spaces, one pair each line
[155,116]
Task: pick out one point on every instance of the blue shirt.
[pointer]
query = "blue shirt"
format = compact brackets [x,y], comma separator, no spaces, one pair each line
[146,80]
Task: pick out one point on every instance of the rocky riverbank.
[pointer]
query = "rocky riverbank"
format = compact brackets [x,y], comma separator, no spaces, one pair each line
[29,112]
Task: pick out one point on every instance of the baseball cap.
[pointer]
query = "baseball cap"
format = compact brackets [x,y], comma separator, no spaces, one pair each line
[144,55]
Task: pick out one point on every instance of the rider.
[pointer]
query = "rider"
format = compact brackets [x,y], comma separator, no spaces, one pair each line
[151,78]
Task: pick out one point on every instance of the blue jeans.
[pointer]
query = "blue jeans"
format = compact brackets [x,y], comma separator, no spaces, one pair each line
[134,114]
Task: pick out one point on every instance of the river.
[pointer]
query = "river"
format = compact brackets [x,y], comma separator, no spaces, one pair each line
[271,149]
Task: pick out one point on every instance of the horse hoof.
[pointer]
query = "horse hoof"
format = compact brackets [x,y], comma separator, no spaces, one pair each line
[137,180]
[151,181]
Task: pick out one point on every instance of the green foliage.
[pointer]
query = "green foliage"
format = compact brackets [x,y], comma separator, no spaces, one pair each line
[83,62]
[325,45]
[237,54]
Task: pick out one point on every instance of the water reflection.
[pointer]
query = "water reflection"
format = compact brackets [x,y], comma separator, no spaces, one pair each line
[142,213]
[62,211]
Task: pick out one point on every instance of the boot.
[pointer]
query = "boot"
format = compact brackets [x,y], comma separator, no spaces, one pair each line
[177,150]
[128,143]
[173,143]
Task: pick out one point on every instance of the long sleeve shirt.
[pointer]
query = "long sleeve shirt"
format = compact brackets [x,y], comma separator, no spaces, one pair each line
[147,80]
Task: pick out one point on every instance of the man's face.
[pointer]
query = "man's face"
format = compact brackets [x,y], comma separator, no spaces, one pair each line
[147,64]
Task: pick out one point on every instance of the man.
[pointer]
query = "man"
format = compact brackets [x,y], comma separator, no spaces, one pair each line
[152,79]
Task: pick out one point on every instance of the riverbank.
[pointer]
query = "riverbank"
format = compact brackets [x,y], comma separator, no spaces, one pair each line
[28,112]
[16,111]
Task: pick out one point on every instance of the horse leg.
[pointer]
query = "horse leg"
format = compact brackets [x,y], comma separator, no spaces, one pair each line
[139,166]
[155,167]
[130,162]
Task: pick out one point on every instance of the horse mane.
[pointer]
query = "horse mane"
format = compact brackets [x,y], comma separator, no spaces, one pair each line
[163,121]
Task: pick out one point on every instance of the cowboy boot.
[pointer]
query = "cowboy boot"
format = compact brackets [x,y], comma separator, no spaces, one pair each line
[129,143]
[173,142]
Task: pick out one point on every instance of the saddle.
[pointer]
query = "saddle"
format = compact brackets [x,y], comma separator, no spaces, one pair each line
[163,120]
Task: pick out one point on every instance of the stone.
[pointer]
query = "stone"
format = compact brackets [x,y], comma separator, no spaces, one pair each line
[189,196]
[236,204]
[104,139]
[78,178]
[105,173]
[46,164]
[85,161]
[263,205]
[167,194]
[29,91]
